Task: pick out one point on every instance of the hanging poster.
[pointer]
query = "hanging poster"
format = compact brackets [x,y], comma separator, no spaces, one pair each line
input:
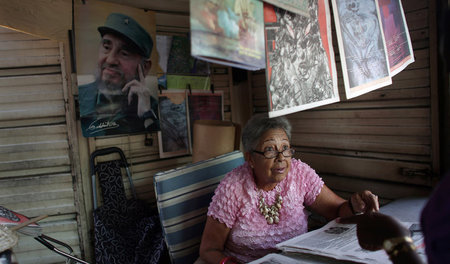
[117,93]
[362,48]
[300,7]
[173,137]
[229,32]
[300,71]
[398,42]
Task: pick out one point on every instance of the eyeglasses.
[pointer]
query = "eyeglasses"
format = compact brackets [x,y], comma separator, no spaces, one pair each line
[270,154]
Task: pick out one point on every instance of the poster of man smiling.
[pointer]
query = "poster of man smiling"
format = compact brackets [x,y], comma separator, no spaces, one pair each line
[116,69]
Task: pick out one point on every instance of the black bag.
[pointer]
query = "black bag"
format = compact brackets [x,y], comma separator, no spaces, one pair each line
[126,230]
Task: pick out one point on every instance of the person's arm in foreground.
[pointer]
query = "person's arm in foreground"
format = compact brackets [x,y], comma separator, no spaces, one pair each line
[376,231]
[213,241]
[330,205]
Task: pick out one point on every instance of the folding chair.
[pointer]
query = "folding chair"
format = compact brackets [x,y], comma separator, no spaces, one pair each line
[183,196]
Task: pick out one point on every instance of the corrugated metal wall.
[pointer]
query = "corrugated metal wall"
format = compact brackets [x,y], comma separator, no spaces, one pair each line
[384,140]
[35,160]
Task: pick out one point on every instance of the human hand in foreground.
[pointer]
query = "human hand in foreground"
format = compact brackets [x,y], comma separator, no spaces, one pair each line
[364,202]
[374,228]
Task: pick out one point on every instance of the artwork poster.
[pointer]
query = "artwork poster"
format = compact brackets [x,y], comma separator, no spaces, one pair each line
[362,48]
[228,32]
[173,137]
[396,34]
[300,68]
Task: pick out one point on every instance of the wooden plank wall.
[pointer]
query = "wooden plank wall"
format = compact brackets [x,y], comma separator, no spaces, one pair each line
[35,162]
[380,141]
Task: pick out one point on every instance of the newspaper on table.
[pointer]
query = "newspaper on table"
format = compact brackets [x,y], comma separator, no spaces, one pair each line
[339,241]
[297,258]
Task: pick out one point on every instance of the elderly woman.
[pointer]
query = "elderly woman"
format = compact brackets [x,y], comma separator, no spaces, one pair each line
[262,202]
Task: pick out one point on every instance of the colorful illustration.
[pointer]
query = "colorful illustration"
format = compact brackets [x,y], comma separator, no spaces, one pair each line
[228,32]
[398,42]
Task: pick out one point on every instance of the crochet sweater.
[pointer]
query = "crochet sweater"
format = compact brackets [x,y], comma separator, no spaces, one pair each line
[235,203]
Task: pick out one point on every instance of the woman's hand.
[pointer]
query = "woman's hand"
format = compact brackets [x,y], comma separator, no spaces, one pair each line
[364,202]
[373,228]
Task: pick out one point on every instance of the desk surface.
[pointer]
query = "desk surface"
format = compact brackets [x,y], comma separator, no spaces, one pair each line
[405,210]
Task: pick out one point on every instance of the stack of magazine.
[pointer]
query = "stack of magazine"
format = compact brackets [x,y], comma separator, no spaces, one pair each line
[11,219]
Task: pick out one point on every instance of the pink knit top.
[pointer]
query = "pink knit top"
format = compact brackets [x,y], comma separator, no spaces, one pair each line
[235,203]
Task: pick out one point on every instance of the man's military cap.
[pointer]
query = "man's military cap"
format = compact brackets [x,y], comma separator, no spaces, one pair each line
[130,29]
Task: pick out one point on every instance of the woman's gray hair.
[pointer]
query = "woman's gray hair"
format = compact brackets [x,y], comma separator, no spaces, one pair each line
[258,125]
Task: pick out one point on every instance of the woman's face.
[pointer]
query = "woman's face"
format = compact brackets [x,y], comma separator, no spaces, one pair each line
[269,172]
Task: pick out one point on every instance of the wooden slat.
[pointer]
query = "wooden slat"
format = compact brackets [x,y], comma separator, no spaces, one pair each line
[385,190]
[417,132]
[35,44]
[364,113]
[50,207]
[417,19]
[389,144]
[13,36]
[376,169]
[30,80]
[415,102]
[29,71]
[31,131]
[29,61]
[373,122]
[31,110]
[34,171]
[30,160]
[361,154]
[32,122]
[19,53]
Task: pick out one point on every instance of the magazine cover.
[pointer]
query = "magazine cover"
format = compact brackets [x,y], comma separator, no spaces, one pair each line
[362,48]
[301,70]
[396,34]
[229,32]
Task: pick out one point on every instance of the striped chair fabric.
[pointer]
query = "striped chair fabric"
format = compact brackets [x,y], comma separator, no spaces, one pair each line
[183,196]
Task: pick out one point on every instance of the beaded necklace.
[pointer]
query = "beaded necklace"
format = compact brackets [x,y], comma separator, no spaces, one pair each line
[271,212]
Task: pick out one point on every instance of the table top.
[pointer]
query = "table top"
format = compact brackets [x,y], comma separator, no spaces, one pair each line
[405,210]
